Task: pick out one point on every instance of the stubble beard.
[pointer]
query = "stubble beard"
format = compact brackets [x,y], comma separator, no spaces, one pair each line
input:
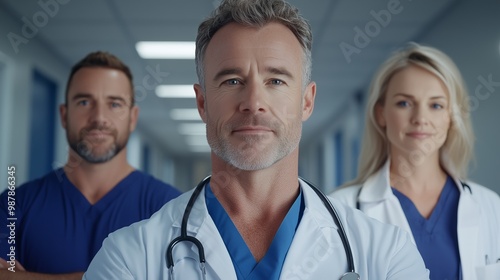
[255,152]
[85,148]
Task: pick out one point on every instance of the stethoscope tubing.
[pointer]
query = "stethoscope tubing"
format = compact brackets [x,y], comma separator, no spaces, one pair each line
[351,274]
[184,237]
[336,218]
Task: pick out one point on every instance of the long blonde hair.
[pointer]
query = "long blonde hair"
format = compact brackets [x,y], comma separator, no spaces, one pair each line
[457,151]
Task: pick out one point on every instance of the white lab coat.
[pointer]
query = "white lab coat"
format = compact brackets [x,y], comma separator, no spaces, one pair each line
[138,251]
[478,220]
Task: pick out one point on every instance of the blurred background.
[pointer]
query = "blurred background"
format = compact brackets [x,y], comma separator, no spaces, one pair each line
[41,40]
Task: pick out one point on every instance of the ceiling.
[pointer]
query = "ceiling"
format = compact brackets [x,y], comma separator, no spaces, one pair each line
[78,27]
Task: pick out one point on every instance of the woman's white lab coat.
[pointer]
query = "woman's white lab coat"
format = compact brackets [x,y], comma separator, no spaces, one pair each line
[138,251]
[478,220]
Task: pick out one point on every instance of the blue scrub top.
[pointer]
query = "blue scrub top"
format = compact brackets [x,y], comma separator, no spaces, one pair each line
[244,263]
[59,231]
[436,237]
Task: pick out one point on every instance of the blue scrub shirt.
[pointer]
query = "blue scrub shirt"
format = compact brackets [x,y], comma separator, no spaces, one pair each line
[244,263]
[436,238]
[59,231]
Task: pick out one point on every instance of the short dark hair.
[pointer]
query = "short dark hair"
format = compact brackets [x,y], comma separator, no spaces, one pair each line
[104,60]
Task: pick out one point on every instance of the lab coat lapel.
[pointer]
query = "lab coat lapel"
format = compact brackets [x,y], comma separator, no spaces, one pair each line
[377,200]
[468,232]
[201,225]
[316,241]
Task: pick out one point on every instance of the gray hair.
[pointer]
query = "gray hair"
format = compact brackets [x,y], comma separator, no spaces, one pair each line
[254,13]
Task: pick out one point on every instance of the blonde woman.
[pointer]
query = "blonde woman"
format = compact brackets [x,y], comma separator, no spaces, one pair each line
[417,145]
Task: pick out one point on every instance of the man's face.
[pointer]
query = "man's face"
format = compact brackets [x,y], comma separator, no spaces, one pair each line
[98,118]
[254,102]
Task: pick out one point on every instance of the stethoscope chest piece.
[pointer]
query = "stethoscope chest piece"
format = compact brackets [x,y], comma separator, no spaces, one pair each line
[350,276]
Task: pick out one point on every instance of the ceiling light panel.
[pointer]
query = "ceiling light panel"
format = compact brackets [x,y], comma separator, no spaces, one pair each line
[175,91]
[166,50]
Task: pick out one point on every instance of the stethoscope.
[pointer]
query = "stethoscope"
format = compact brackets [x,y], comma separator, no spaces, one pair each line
[350,275]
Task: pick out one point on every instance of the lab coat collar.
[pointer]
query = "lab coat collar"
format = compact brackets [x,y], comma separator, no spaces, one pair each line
[196,217]
[315,241]
[314,204]
[201,226]
[199,213]
[377,186]
[447,166]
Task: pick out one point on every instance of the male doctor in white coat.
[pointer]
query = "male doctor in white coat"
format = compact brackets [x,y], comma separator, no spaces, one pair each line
[255,218]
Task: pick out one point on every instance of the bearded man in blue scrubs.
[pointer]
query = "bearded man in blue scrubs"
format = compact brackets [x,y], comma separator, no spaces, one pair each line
[63,217]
